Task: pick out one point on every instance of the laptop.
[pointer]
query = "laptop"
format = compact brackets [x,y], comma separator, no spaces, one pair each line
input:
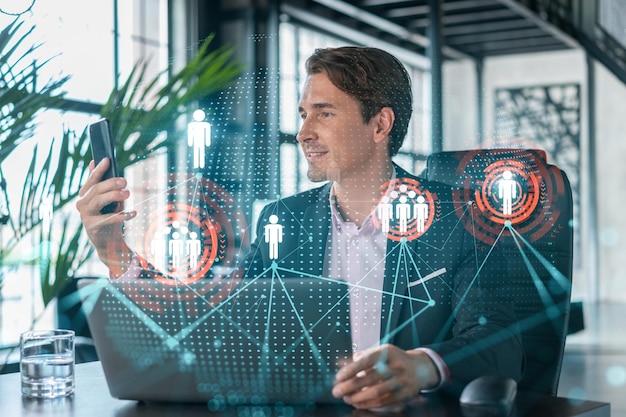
[253,341]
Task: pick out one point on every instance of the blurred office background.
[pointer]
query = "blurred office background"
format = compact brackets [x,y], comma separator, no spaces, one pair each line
[547,74]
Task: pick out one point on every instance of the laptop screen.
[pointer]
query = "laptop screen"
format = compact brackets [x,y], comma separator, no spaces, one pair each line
[258,340]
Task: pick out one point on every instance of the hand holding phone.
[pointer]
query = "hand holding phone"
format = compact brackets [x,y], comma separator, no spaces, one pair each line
[102,147]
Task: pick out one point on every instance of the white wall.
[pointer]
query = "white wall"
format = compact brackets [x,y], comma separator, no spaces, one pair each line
[611,168]
[460,124]
[460,129]
[546,69]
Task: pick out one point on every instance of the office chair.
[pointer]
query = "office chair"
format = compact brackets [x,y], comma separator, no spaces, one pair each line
[72,315]
[537,241]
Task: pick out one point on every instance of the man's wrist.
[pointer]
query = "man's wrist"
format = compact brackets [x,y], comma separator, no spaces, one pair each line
[118,257]
[440,369]
[133,271]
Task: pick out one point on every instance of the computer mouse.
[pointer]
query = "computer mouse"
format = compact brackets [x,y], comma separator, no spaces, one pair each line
[488,396]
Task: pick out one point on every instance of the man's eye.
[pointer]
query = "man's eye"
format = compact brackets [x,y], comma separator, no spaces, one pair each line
[302,116]
[325,114]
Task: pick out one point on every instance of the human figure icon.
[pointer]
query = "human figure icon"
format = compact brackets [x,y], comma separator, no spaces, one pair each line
[193,250]
[507,192]
[199,137]
[273,236]
[385,213]
[403,213]
[158,248]
[343,125]
[420,212]
[176,250]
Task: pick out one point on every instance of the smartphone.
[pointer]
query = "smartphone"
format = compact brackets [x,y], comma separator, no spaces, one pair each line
[102,146]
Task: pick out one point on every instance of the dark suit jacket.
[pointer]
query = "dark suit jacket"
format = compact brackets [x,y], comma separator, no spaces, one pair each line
[469,322]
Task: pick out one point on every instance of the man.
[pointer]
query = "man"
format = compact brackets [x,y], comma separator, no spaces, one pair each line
[428,309]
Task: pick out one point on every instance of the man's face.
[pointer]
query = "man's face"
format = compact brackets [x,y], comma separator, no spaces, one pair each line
[334,139]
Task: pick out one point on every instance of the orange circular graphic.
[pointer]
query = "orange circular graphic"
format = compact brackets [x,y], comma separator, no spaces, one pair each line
[182,242]
[200,227]
[509,192]
[190,244]
[406,211]
[508,187]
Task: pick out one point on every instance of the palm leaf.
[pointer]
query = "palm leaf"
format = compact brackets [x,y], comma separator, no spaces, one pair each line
[140,110]
[59,264]
[20,97]
[61,174]
[138,131]
[36,187]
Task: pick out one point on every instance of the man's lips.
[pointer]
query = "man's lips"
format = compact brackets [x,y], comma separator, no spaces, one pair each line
[315,154]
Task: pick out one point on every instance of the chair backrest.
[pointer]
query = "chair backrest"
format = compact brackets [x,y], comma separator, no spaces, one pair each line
[517,191]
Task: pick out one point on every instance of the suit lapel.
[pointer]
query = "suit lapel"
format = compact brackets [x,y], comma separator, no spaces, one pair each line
[313,234]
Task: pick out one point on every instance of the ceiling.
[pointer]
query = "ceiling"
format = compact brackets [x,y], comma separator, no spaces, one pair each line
[470,28]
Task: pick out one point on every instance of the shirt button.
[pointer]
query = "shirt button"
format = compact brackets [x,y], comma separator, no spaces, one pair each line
[355,243]
[354,347]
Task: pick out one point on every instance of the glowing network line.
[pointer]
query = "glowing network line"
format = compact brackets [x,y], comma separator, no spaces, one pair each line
[173,341]
[407,266]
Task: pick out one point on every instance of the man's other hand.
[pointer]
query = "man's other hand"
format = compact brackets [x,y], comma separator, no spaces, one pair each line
[385,375]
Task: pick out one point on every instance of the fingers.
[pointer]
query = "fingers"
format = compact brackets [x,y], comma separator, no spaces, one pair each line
[96,194]
[370,390]
[378,395]
[101,194]
[362,380]
[93,196]
[105,231]
[363,361]
[112,219]
[379,377]
[95,175]
[366,370]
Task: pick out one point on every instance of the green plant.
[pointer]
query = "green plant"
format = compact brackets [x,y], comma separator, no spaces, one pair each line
[22,97]
[21,94]
[140,111]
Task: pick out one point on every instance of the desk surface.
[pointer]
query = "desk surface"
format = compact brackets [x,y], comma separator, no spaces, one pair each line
[91,398]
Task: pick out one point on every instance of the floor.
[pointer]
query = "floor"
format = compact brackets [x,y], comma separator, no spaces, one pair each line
[594,365]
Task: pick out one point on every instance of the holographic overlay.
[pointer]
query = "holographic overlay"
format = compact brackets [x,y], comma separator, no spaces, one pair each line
[518,190]
[407,210]
[256,341]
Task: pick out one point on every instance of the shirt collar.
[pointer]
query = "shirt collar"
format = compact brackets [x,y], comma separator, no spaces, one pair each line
[338,221]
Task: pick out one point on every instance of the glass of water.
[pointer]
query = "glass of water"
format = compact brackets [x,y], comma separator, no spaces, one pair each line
[47,363]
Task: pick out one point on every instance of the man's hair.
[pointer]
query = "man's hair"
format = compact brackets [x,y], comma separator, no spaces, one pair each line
[375,78]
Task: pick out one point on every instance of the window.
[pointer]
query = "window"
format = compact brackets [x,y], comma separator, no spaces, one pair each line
[96,43]
[98,54]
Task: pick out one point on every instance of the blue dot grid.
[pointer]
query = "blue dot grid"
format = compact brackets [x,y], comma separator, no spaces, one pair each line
[291,359]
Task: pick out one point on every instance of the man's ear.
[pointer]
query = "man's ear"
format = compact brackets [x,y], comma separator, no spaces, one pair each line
[385,119]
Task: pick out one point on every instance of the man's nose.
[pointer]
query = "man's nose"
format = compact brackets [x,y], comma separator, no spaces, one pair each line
[306,132]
